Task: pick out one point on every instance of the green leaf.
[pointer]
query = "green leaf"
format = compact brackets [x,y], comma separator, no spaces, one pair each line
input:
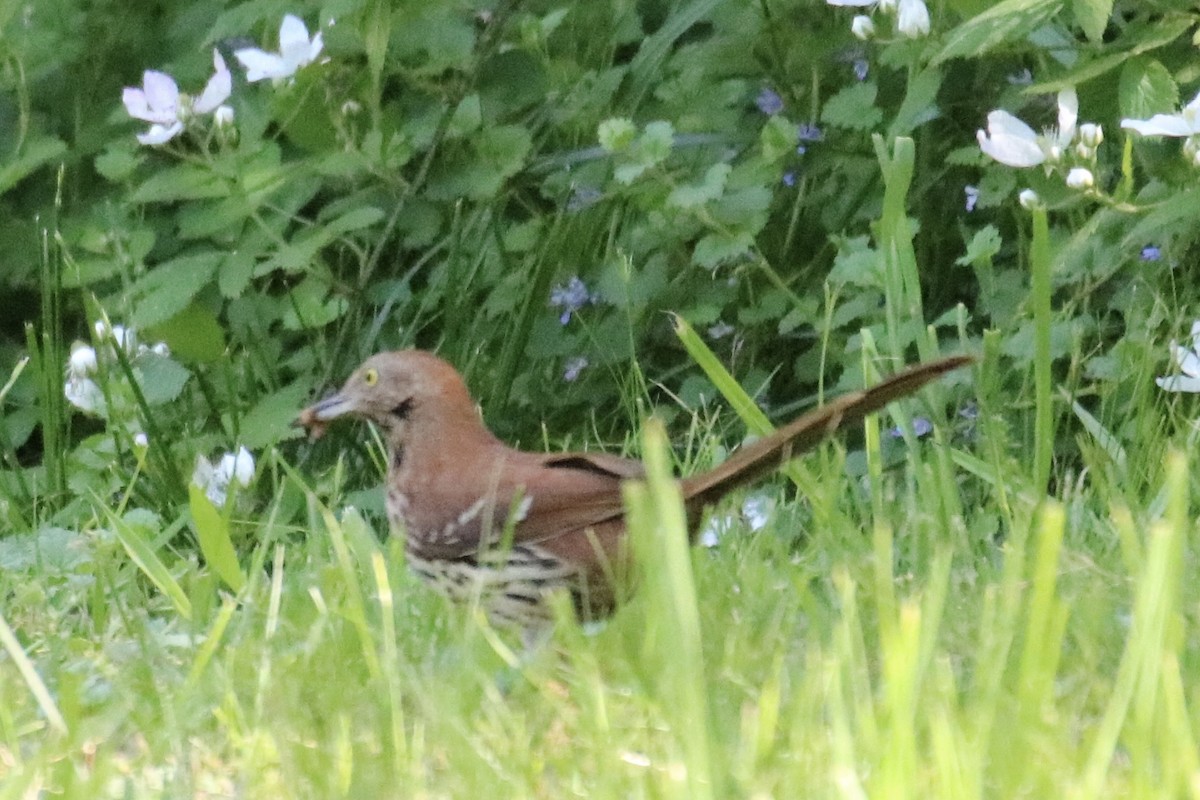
[1092,16]
[162,379]
[194,335]
[504,147]
[691,196]
[779,138]
[616,134]
[270,420]
[1146,88]
[118,163]
[656,141]
[1009,21]
[184,182]
[984,245]
[717,248]
[467,118]
[853,108]
[212,531]
[134,535]
[234,275]
[169,287]
[34,154]
[920,103]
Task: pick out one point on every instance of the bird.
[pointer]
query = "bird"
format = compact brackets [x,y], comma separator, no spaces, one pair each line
[485,522]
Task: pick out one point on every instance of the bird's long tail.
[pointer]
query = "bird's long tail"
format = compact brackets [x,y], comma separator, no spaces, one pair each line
[808,430]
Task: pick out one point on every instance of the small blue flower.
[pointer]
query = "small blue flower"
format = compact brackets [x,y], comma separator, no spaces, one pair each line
[861,68]
[1151,253]
[809,133]
[570,297]
[921,426]
[768,101]
[789,179]
[972,193]
[573,367]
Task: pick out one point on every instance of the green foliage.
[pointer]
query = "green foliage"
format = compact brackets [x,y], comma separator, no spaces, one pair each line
[545,193]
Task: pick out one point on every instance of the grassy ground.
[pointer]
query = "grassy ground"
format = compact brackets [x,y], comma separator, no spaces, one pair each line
[931,632]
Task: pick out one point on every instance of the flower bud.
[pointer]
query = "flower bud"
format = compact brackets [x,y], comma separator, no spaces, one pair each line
[1080,178]
[1029,199]
[82,361]
[1091,134]
[862,27]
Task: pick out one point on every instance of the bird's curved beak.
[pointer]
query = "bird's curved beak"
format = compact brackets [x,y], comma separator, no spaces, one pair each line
[318,415]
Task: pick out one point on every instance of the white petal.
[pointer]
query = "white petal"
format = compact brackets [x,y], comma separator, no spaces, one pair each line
[1188,360]
[136,104]
[857,3]
[315,48]
[292,33]
[1015,151]
[84,394]
[1068,115]
[218,88]
[82,361]
[1159,125]
[160,134]
[912,19]
[261,65]
[243,466]
[162,94]
[1178,383]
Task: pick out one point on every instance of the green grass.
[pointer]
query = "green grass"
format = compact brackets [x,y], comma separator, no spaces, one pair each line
[1014,647]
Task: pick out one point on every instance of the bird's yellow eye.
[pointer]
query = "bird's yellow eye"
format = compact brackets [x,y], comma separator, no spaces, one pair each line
[371,377]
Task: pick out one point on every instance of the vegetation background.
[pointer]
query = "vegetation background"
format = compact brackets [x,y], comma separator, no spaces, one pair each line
[597,211]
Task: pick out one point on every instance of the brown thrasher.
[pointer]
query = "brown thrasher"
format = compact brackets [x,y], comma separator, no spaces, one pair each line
[481,519]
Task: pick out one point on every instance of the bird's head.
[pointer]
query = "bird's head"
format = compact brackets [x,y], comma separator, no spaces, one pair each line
[396,390]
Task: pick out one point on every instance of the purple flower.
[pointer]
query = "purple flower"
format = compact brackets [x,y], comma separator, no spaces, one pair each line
[573,367]
[570,297]
[768,101]
[972,193]
[809,133]
[1151,253]
[921,426]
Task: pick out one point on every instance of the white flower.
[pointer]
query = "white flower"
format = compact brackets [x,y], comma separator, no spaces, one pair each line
[82,362]
[1185,123]
[140,441]
[161,349]
[124,337]
[1010,141]
[1080,178]
[912,18]
[84,394]
[215,480]
[295,51]
[218,88]
[223,116]
[160,102]
[862,27]
[1029,199]
[856,3]
[1188,359]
